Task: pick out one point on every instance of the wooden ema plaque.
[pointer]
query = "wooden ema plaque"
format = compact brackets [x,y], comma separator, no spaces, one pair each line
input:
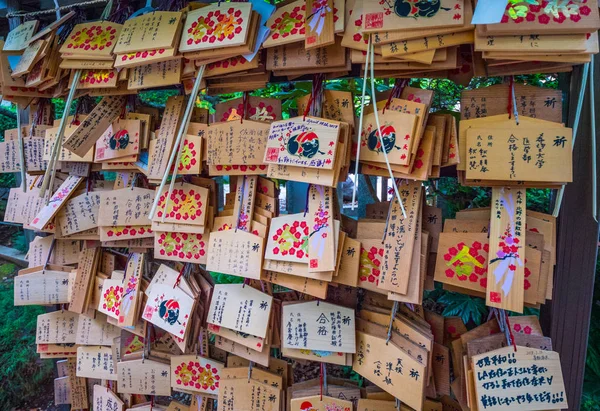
[524,379]
[520,154]
[506,267]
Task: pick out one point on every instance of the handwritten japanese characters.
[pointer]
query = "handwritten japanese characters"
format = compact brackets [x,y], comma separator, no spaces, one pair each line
[240,308]
[235,253]
[533,154]
[527,378]
[506,265]
[318,326]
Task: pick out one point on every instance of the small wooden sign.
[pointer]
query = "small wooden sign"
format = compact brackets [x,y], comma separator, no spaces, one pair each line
[235,393]
[287,24]
[235,142]
[96,362]
[58,199]
[506,265]
[321,240]
[58,327]
[18,38]
[520,154]
[93,40]
[236,253]
[216,26]
[158,29]
[43,287]
[196,374]
[126,206]
[318,326]
[240,308]
[310,142]
[504,379]
[95,124]
[169,308]
[144,377]
[106,400]
[320,403]
[96,331]
[396,133]
[407,15]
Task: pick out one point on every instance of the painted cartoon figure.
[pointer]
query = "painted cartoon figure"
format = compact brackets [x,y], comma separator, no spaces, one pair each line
[388,136]
[169,311]
[119,140]
[420,8]
[304,145]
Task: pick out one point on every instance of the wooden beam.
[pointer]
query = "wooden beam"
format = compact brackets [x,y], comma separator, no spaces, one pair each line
[567,318]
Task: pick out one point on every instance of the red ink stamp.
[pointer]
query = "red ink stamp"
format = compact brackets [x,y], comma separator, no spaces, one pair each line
[314,263]
[495,297]
[311,40]
[374,20]
[272,154]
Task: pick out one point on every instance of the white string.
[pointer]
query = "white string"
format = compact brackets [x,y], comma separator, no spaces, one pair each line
[360,124]
[387,161]
[561,191]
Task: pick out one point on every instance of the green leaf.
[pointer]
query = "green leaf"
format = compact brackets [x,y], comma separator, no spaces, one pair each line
[464,306]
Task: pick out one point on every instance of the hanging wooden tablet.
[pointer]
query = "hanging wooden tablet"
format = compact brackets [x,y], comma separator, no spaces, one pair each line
[96,362]
[158,29]
[315,288]
[318,326]
[163,73]
[79,214]
[196,374]
[82,284]
[390,368]
[111,297]
[85,135]
[258,109]
[169,308]
[165,137]
[506,260]
[397,131]
[128,307]
[126,206]
[490,382]
[92,39]
[176,246]
[28,59]
[79,397]
[405,15]
[234,395]
[144,377]
[106,400]
[310,142]
[520,154]
[319,23]
[287,24]
[58,327]
[93,79]
[320,403]
[121,139]
[187,205]
[216,26]
[240,308]
[96,331]
[400,240]
[235,142]
[58,199]
[288,239]
[321,239]
[43,287]
[20,37]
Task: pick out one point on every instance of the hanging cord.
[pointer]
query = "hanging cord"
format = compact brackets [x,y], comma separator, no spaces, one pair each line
[398,404]
[360,124]
[584,79]
[504,324]
[513,100]
[307,198]
[243,188]
[21,143]
[323,380]
[387,161]
[317,93]
[396,92]
[121,12]
[106,12]
[33,14]
[390,326]
[78,18]
[244,107]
